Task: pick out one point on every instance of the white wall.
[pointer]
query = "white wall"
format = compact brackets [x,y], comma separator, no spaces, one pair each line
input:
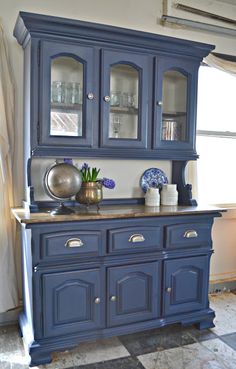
[223,262]
[135,14]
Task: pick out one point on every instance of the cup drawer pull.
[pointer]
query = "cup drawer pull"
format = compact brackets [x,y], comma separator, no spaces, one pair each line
[74,242]
[136,238]
[190,234]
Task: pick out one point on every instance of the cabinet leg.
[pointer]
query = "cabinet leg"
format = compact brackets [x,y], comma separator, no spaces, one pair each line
[205,324]
[38,358]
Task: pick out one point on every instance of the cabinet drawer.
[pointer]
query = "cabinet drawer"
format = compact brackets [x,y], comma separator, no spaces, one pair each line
[69,244]
[188,235]
[132,239]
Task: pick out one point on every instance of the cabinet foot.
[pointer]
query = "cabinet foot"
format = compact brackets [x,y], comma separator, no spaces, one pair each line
[205,324]
[38,358]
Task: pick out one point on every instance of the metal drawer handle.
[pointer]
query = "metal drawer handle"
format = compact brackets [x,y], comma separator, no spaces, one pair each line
[136,238]
[74,242]
[168,289]
[190,234]
[113,298]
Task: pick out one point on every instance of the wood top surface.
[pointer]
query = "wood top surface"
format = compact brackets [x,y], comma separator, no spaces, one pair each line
[110,212]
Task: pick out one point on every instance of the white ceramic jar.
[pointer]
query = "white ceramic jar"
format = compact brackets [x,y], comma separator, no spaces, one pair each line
[152,197]
[169,194]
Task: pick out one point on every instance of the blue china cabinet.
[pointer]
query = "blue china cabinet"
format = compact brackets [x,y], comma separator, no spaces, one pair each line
[100,91]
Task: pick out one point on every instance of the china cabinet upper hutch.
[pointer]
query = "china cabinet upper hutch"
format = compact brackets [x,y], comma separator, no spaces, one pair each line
[103,91]
[99,90]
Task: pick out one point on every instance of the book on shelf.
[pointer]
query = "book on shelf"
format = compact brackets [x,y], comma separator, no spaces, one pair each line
[171,130]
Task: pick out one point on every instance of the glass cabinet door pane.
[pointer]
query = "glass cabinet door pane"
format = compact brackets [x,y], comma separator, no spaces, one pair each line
[124,97]
[66,97]
[174,108]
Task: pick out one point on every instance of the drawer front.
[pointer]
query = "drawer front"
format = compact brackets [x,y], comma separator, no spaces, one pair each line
[69,244]
[188,235]
[132,239]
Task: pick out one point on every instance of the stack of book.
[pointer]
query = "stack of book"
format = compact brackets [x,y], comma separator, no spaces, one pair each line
[170,130]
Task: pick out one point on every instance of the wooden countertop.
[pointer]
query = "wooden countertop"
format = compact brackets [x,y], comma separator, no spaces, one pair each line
[111,212]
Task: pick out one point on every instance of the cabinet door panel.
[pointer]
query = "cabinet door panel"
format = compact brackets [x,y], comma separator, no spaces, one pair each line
[69,301]
[175,104]
[133,293]
[66,112]
[125,101]
[185,284]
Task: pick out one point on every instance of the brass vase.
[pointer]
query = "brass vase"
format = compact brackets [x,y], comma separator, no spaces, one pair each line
[90,193]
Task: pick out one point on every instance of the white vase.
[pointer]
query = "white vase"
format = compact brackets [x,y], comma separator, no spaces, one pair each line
[169,194]
[152,197]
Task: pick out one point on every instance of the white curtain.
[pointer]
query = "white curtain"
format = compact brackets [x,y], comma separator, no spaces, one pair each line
[8,286]
[222,64]
[228,67]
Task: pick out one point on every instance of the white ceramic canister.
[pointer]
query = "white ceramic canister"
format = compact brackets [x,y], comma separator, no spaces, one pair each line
[152,197]
[169,194]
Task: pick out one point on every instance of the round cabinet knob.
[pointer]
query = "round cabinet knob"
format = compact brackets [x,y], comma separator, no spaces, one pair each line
[90,96]
[107,98]
[168,289]
[113,298]
[159,103]
[97,300]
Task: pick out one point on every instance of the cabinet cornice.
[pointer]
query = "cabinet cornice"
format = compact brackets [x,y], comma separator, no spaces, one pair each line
[33,25]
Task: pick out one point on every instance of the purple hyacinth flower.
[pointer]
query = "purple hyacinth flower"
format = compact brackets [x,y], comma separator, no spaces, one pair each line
[84,166]
[108,183]
[68,161]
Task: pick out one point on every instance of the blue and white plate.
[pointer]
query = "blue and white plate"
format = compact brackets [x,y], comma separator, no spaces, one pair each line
[152,177]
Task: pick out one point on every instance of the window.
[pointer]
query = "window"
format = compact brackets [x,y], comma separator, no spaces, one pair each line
[216,136]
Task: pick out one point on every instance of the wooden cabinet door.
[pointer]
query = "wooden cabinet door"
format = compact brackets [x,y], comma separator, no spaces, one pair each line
[175,105]
[185,284]
[71,301]
[67,98]
[125,99]
[133,293]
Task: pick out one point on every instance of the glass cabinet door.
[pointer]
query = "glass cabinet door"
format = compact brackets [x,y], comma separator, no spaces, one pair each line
[174,116]
[124,95]
[67,95]
[125,92]
[66,114]
[174,106]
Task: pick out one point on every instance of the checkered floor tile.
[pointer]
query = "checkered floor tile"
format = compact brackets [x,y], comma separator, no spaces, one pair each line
[172,347]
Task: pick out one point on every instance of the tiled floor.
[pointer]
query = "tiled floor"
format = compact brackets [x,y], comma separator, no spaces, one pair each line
[172,347]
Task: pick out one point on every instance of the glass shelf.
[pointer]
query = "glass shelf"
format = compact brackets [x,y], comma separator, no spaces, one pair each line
[64,106]
[123,110]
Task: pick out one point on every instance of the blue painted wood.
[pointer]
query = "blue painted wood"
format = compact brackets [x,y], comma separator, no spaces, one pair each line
[58,245]
[185,285]
[189,69]
[134,239]
[143,65]
[69,301]
[136,289]
[86,41]
[131,276]
[85,55]
[123,153]
[30,24]
[184,190]
[189,235]
[40,350]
